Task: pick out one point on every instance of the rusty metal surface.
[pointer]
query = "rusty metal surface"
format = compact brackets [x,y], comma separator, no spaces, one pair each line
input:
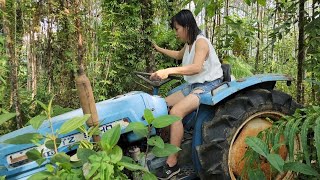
[251,127]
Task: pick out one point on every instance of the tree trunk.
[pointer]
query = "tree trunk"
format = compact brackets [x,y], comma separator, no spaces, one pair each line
[313,78]
[33,62]
[146,15]
[301,52]
[83,84]
[258,42]
[49,48]
[214,25]
[227,28]
[13,62]
[274,27]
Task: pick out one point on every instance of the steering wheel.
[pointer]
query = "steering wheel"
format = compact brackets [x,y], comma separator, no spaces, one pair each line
[142,75]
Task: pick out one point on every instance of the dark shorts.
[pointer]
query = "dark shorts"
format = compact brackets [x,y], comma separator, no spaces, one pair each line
[206,87]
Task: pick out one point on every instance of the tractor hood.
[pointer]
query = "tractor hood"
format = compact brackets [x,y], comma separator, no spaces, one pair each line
[118,110]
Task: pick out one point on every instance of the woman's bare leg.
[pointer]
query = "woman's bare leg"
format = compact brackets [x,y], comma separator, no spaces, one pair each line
[180,108]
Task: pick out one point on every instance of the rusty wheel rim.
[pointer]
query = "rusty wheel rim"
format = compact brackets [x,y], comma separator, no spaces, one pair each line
[250,126]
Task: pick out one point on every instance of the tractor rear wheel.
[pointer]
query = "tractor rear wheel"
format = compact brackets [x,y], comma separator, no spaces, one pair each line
[246,114]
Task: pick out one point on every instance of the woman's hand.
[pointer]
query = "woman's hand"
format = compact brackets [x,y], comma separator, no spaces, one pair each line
[155,46]
[160,75]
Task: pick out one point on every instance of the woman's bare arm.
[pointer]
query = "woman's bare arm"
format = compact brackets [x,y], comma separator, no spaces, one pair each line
[178,55]
[201,52]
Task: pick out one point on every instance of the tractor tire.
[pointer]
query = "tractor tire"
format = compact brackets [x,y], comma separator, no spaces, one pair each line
[223,130]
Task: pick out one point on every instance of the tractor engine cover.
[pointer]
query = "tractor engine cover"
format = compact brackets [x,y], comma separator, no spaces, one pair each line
[121,109]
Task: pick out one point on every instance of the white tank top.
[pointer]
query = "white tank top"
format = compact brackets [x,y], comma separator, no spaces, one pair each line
[211,69]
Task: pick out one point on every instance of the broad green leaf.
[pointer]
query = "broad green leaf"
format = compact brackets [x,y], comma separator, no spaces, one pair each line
[304,139]
[24,139]
[50,167]
[276,161]
[41,175]
[92,170]
[148,176]
[256,174]
[164,121]
[166,151]
[138,128]
[40,161]
[116,154]
[148,116]
[300,168]
[111,137]
[42,105]
[317,138]
[131,167]
[33,154]
[108,171]
[156,141]
[127,159]
[257,145]
[84,154]
[73,124]
[50,144]
[65,165]
[6,117]
[60,158]
[37,121]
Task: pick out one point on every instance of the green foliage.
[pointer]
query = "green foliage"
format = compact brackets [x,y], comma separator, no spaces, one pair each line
[138,128]
[300,168]
[164,121]
[105,164]
[156,141]
[35,155]
[300,160]
[27,138]
[239,67]
[6,117]
[121,46]
[160,148]
[167,150]
[110,138]
[73,124]
[37,121]
[256,174]
[241,33]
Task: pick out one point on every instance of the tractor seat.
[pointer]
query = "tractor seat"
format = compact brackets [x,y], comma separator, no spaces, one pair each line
[226,68]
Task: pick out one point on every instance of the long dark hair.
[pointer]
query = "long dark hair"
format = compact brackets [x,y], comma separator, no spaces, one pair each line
[186,19]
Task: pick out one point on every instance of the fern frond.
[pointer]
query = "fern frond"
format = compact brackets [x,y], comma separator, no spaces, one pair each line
[304,139]
[292,135]
[270,134]
[288,128]
[278,135]
[317,138]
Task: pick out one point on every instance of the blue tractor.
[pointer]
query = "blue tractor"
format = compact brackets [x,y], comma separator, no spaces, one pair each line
[213,144]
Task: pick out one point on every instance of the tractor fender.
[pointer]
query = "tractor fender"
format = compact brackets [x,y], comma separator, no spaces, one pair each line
[227,89]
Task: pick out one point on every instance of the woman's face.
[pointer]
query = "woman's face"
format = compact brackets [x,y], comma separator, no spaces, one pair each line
[181,32]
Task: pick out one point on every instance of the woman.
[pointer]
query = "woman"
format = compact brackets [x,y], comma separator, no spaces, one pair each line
[202,72]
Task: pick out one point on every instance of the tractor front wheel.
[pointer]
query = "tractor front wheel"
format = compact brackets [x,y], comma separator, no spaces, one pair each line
[223,146]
